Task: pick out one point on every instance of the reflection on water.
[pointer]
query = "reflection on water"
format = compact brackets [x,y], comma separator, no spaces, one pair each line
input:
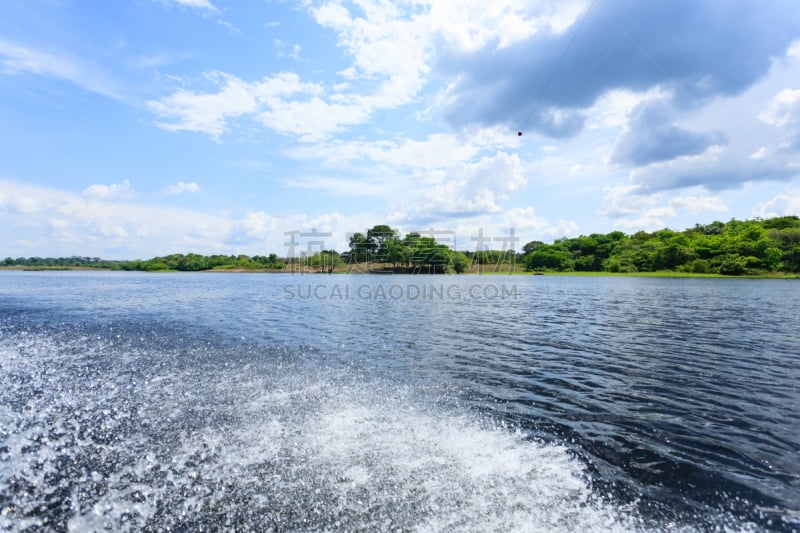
[249,402]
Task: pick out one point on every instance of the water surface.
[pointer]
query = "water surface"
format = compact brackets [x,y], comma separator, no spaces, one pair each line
[416,403]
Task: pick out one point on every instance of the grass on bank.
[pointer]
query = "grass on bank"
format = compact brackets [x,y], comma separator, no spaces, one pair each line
[669,274]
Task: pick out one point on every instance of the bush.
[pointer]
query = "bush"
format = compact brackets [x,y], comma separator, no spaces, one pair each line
[152,267]
[733,265]
[700,266]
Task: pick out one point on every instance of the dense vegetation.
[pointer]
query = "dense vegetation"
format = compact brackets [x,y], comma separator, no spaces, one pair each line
[732,248]
[187,262]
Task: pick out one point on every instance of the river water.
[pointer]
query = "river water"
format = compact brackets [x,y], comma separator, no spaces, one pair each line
[132,401]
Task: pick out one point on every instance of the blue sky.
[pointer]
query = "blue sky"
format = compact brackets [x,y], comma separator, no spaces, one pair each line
[147,127]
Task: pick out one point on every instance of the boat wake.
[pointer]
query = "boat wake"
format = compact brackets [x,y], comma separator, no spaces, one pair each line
[124,431]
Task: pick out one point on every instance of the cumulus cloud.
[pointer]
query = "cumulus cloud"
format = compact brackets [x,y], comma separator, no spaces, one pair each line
[387,41]
[465,190]
[525,221]
[783,109]
[699,204]
[210,112]
[624,200]
[256,226]
[181,187]
[293,234]
[282,102]
[784,204]
[634,208]
[650,136]
[622,45]
[121,191]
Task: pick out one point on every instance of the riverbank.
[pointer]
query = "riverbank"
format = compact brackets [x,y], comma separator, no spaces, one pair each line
[484,270]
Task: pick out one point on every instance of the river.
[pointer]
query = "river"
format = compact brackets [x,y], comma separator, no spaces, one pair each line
[300,402]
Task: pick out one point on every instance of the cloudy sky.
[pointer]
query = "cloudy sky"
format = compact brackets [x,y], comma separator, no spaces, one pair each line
[145,127]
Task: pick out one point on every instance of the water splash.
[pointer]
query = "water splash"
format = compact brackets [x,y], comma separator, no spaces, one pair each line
[104,434]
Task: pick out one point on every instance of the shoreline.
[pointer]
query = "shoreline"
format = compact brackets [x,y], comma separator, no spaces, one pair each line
[481,272]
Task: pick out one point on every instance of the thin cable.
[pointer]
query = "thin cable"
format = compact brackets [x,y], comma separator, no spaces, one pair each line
[558,65]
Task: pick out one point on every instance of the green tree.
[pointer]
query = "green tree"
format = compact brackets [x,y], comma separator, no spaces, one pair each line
[791,259]
[549,257]
[459,262]
[361,248]
[732,265]
[325,260]
[381,236]
[700,266]
[430,256]
[531,246]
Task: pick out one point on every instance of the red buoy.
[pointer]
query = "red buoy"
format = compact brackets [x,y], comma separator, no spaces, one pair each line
[519,134]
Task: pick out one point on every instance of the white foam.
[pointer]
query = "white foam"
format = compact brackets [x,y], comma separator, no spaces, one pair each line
[280,447]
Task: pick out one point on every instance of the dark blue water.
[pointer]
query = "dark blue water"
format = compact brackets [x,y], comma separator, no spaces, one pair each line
[410,403]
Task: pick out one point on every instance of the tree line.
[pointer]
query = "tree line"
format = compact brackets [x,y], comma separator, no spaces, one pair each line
[180,262]
[731,248]
[728,248]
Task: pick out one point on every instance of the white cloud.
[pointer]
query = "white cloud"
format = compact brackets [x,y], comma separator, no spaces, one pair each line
[699,204]
[205,113]
[210,112]
[794,50]
[17,58]
[10,203]
[644,223]
[435,151]
[121,191]
[784,204]
[783,109]
[387,41]
[465,190]
[470,25]
[761,153]
[181,187]
[624,200]
[636,210]
[60,223]
[102,223]
[525,221]
[205,5]
[388,56]
[285,49]
[256,226]
[295,234]
[314,119]
[613,108]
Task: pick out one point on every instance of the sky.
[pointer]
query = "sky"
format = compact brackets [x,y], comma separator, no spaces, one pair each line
[148,127]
